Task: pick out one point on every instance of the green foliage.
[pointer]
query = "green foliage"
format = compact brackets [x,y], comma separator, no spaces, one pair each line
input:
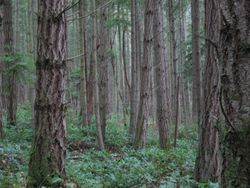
[187,71]
[23,67]
[14,154]
[129,167]
[75,78]
[123,166]
[117,134]
[118,166]
[24,114]
[118,21]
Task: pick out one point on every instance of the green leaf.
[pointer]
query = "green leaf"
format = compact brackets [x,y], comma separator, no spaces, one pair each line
[56,180]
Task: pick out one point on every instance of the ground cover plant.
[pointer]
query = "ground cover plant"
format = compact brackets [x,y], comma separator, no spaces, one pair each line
[120,165]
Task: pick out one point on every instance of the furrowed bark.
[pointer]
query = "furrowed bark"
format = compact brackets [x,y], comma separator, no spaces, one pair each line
[48,150]
[208,160]
[235,92]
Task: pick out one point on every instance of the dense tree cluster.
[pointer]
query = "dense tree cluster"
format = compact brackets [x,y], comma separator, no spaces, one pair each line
[151,63]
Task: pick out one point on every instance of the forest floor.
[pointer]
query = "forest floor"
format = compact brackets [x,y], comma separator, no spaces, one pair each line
[118,166]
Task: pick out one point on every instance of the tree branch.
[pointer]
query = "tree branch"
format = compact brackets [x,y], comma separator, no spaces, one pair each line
[67,8]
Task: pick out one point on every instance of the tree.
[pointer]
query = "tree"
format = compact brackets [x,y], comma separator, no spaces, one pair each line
[102,54]
[140,134]
[196,106]
[235,92]
[1,69]
[9,61]
[173,59]
[48,151]
[208,159]
[99,132]
[83,93]
[161,102]
[136,62]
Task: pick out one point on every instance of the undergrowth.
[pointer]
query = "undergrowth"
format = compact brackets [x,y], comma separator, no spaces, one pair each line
[118,166]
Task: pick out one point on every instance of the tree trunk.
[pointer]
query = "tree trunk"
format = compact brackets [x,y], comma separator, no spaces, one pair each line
[207,162]
[135,54]
[140,134]
[97,103]
[173,59]
[161,105]
[1,69]
[182,51]
[196,105]
[90,89]
[102,52]
[30,35]
[83,95]
[9,53]
[235,102]
[1,106]
[48,151]
[177,112]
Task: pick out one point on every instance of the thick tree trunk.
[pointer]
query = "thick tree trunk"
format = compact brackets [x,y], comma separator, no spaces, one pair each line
[140,134]
[208,159]
[9,52]
[196,102]
[235,101]
[48,151]
[161,104]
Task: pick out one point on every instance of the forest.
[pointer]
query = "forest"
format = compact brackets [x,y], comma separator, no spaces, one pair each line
[124,93]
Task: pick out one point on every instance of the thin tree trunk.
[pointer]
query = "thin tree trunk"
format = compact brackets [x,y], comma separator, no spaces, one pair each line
[1,69]
[235,92]
[182,55]
[161,105]
[1,106]
[83,94]
[177,112]
[9,52]
[17,34]
[135,55]
[196,102]
[173,59]
[97,103]
[48,151]
[90,89]
[188,101]
[102,52]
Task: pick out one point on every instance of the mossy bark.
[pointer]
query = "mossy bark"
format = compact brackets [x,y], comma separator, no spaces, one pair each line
[235,42]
